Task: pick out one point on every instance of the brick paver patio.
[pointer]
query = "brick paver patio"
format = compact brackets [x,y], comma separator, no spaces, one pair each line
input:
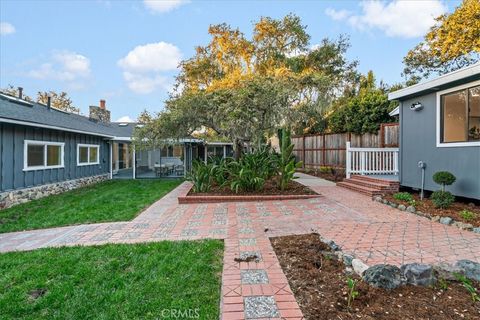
[373,232]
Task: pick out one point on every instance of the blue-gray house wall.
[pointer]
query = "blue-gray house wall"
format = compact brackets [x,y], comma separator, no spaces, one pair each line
[12,139]
[418,142]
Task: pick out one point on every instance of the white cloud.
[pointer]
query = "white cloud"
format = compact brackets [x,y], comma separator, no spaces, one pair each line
[337,14]
[404,19]
[160,56]
[63,66]
[125,119]
[143,84]
[6,28]
[162,6]
[144,66]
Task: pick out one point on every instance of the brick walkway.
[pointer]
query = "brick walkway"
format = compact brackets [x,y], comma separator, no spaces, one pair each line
[371,231]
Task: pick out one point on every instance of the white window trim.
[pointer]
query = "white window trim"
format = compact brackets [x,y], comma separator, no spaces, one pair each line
[439,115]
[88,154]
[26,143]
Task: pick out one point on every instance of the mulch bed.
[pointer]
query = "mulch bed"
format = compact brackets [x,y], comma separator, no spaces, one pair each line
[426,206]
[320,288]
[336,175]
[270,188]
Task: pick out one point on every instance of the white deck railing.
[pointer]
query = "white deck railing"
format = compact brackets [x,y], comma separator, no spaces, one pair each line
[371,161]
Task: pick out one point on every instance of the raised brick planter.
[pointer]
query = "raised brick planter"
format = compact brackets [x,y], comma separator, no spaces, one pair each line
[185,198]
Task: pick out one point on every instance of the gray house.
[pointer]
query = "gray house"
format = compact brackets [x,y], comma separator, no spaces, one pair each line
[44,150]
[440,126]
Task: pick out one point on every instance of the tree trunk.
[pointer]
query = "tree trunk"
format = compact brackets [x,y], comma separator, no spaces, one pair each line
[238,148]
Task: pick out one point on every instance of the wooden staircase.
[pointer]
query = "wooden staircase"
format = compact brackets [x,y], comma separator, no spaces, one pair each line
[369,186]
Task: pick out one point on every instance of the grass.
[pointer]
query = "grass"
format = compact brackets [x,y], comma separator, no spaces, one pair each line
[120,281]
[113,200]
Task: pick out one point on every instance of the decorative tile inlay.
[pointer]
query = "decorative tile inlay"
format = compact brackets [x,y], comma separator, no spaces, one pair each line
[260,307]
[189,232]
[245,254]
[245,230]
[265,214]
[198,216]
[131,235]
[326,208]
[141,225]
[88,228]
[309,212]
[102,237]
[247,242]
[193,223]
[70,239]
[167,224]
[219,222]
[245,221]
[254,276]
[115,226]
[218,232]
[161,233]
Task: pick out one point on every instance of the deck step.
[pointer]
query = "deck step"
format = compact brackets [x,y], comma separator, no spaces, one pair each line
[374,180]
[361,189]
[369,186]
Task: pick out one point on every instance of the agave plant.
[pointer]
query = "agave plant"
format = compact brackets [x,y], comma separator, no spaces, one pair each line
[286,162]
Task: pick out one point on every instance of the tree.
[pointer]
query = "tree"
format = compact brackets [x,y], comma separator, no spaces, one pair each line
[452,43]
[13,91]
[362,112]
[244,89]
[58,100]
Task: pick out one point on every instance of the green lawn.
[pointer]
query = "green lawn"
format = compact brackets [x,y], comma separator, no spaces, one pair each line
[113,200]
[121,281]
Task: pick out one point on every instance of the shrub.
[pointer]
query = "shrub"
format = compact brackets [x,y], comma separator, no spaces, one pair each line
[326,170]
[444,178]
[403,196]
[467,214]
[442,199]
[251,170]
[286,162]
[201,176]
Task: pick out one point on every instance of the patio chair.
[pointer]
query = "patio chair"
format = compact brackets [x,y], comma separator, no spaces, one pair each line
[179,170]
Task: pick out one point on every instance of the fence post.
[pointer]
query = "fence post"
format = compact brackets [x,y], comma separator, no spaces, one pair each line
[303,151]
[349,160]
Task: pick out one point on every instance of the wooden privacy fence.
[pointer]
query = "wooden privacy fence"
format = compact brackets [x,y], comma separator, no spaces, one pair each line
[318,150]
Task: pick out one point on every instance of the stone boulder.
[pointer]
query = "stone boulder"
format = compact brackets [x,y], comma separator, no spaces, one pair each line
[383,276]
[418,274]
[446,220]
[358,266]
[469,268]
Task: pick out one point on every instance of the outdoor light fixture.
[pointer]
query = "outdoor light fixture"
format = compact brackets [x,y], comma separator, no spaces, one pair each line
[417,106]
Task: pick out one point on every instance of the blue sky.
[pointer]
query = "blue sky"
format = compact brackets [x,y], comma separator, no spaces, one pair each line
[126,51]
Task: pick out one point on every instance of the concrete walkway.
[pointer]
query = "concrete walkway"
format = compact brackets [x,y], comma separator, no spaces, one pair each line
[371,231]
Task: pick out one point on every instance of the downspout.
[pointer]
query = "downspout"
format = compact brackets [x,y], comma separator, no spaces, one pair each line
[110,143]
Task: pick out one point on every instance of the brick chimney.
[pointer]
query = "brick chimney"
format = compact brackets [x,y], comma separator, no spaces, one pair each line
[100,114]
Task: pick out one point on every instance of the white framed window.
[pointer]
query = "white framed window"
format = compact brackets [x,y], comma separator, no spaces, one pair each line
[458,116]
[39,155]
[88,154]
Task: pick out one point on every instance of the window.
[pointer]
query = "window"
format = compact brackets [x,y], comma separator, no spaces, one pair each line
[87,154]
[167,151]
[43,155]
[458,116]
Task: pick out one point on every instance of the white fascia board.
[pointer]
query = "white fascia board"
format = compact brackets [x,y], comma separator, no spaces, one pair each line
[442,80]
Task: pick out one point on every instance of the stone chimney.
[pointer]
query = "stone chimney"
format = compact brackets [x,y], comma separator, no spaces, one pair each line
[100,114]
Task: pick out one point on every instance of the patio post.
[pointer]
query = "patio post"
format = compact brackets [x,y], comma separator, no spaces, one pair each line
[134,165]
[349,160]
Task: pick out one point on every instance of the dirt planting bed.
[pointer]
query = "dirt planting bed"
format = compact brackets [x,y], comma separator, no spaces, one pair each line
[270,188]
[426,206]
[319,283]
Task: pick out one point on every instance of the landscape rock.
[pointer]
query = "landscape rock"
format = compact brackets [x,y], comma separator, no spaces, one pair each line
[385,201]
[333,245]
[464,226]
[411,209]
[436,218]
[347,260]
[358,266]
[446,220]
[383,276]
[378,199]
[393,204]
[402,207]
[418,274]
[471,205]
[469,268]
[446,271]
[476,230]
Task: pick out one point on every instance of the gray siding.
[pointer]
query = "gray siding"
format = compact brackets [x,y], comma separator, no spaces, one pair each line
[11,157]
[418,142]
